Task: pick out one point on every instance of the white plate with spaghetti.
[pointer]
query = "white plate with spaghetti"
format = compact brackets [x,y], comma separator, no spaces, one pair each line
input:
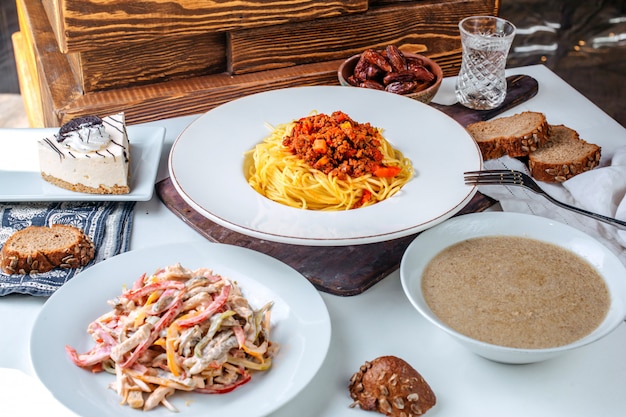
[206,166]
[299,323]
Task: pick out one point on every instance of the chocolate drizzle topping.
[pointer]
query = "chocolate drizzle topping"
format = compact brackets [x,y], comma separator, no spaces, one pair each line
[115,126]
[54,148]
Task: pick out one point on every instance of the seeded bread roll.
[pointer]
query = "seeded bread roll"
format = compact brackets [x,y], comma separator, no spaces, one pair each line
[563,156]
[41,249]
[392,387]
[514,136]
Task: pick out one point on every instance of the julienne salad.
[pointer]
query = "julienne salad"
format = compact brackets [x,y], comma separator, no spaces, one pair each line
[178,329]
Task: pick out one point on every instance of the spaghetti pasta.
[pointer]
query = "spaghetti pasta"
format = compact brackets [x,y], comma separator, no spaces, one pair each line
[323,162]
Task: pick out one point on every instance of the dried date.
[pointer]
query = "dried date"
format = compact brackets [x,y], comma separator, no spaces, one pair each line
[402,87]
[413,61]
[392,71]
[400,76]
[360,69]
[395,57]
[372,84]
[376,58]
[355,81]
[373,72]
[422,74]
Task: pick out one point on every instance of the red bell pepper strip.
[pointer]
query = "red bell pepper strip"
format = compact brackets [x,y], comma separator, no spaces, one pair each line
[163,322]
[96,355]
[215,305]
[387,172]
[367,196]
[150,288]
[245,377]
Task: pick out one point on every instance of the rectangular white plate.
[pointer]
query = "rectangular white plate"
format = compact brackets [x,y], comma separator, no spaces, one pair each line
[20,178]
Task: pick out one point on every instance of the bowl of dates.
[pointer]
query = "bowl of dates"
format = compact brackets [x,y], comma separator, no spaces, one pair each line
[392,70]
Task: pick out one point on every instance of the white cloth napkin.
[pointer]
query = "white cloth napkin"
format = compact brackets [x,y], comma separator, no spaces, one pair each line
[601,190]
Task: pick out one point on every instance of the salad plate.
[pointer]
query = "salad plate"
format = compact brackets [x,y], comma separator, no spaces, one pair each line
[207,166]
[20,178]
[299,323]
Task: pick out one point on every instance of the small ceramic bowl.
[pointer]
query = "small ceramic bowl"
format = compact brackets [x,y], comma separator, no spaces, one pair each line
[425,96]
[429,243]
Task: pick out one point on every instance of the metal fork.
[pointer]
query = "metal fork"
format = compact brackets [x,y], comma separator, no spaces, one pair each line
[516,178]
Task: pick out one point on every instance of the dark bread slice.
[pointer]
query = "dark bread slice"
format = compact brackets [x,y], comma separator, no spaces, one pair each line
[41,249]
[515,136]
[392,387]
[563,156]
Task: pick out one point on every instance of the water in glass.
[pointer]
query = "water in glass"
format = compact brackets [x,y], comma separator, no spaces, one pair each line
[486,40]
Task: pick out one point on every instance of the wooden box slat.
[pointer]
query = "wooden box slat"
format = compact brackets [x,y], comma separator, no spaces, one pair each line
[195,95]
[163,59]
[82,25]
[409,25]
[27,79]
[56,83]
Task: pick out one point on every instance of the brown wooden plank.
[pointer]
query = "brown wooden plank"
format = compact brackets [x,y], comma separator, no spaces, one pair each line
[338,270]
[428,27]
[195,95]
[58,86]
[82,25]
[54,11]
[29,86]
[374,3]
[162,59]
[519,88]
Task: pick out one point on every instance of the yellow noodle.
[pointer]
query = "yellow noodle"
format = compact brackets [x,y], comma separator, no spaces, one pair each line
[283,177]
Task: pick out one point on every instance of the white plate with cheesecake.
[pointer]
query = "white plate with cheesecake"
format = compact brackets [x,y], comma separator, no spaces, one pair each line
[20,176]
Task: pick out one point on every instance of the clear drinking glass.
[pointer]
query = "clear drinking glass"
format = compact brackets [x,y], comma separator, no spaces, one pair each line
[481,84]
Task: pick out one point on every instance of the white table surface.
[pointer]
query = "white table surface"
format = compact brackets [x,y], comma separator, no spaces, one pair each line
[590,381]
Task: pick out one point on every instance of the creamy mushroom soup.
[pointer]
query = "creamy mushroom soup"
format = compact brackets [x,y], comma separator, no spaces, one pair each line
[516,292]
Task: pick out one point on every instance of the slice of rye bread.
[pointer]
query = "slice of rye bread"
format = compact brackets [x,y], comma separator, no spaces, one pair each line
[515,136]
[563,156]
[41,249]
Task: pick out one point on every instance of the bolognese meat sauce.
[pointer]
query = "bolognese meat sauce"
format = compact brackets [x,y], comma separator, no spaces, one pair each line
[337,145]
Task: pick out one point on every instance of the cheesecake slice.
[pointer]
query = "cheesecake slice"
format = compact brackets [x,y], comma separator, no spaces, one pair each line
[88,155]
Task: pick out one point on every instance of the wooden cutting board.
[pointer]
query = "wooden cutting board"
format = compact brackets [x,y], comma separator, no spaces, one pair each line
[344,270]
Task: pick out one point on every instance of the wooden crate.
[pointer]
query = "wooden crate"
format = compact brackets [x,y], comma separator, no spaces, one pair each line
[82,25]
[151,81]
[405,24]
